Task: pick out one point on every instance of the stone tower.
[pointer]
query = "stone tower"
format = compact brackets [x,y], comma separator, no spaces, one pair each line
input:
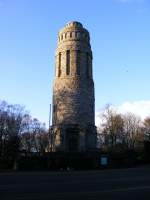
[73,119]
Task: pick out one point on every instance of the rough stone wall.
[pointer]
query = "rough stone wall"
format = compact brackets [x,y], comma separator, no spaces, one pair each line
[73,89]
[73,102]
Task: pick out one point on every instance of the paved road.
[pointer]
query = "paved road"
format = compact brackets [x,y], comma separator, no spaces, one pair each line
[87,185]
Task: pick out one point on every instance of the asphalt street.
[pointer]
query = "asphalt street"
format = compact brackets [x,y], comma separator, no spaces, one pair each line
[117,184]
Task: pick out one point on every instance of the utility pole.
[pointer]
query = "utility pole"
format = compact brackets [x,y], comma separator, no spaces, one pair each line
[50,130]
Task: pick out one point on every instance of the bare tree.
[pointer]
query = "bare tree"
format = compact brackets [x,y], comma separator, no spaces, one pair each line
[27,134]
[146,127]
[132,128]
[10,128]
[34,135]
[112,126]
[40,136]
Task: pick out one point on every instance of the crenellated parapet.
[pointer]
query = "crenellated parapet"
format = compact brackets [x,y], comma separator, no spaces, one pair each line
[73,31]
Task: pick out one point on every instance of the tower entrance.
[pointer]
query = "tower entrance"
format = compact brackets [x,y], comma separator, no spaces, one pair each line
[72,139]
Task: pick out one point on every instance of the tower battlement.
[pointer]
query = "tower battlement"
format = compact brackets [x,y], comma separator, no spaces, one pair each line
[73,31]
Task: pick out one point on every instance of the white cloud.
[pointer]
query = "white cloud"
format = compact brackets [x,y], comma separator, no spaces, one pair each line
[140,108]
[97,119]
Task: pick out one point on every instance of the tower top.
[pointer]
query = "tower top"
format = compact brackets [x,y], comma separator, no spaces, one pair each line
[73,25]
[73,31]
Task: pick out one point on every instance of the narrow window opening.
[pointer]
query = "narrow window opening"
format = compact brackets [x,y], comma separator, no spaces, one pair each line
[71,34]
[68,62]
[78,61]
[59,65]
[65,35]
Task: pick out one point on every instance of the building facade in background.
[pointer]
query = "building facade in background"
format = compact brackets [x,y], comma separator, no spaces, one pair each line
[73,118]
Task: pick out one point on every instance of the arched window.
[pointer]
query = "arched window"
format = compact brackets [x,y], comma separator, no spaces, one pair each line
[67,62]
[59,65]
[78,61]
[71,34]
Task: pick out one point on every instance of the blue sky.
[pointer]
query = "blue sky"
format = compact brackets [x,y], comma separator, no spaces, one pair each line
[120,39]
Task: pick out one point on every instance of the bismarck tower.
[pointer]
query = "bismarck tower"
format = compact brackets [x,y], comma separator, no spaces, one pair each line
[73,119]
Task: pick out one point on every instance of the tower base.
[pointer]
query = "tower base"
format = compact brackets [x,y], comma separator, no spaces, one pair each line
[74,138]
